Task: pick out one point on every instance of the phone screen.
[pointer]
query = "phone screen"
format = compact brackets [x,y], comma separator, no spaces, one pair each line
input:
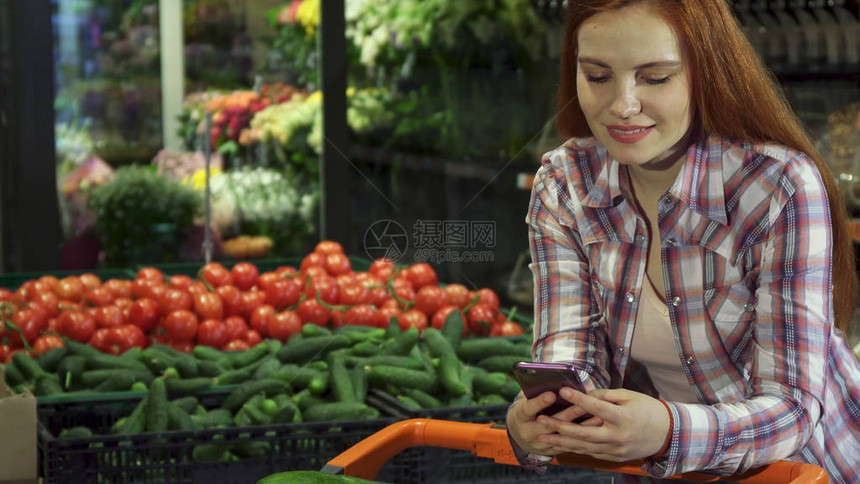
[538,378]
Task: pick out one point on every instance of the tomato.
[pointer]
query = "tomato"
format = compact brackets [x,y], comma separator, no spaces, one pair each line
[126,337]
[338,318]
[109,317]
[174,300]
[147,288]
[70,289]
[386,313]
[458,295]
[77,325]
[144,313]
[208,305]
[438,320]
[237,345]
[90,281]
[487,296]
[197,287]
[236,327]
[337,263]
[282,293]
[261,318]
[53,326]
[118,287]
[314,259]
[506,328]
[47,302]
[215,274]
[316,272]
[286,271]
[179,281]
[251,300]
[123,303]
[284,325]
[49,281]
[481,318]
[5,296]
[403,289]
[382,268]
[150,273]
[252,337]
[421,274]
[328,247]
[352,294]
[183,346]
[244,275]
[181,325]
[212,333]
[46,343]
[430,299]
[231,299]
[99,296]
[11,353]
[365,315]
[326,288]
[311,311]
[413,318]
[100,340]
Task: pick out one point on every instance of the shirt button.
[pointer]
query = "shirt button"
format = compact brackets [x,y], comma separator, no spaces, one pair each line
[621,351]
[676,301]
[748,307]
[672,242]
[667,200]
[689,360]
[640,239]
[629,296]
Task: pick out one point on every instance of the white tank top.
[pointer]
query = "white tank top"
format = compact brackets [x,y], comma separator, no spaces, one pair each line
[654,347]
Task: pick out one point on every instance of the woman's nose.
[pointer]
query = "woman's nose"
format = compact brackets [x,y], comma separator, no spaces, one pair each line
[626,104]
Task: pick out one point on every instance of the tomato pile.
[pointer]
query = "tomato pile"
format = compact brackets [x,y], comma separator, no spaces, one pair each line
[234,309]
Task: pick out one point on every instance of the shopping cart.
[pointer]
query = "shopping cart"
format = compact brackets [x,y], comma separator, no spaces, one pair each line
[366,458]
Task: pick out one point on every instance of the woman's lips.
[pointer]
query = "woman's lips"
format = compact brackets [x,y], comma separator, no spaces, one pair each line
[628,134]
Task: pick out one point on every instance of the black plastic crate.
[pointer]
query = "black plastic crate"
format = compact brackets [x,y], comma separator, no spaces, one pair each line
[169,457]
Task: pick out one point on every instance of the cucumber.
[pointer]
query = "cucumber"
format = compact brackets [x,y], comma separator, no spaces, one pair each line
[408,402]
[501,364]
[330,412]
[120,381]
[359,383]
[305,400]
[401,344]
[318,365]
[493,399]
[93,378]
[244,358]
[367,348]
[489,383]
[27,366]
[310,477]
[437,343]
[394,360]
[189,386]
[384,375]
[297,377]
[210,368]
[510,389]
[187,367]
[208,353]
[422,356]
[81,349]
[156,360]
[366,333]
[70,369]
[257,416]
[187,404]
[13,376]
[210,452]
[312,348]
[136,422]
[287,413]
[341,383]
[310,330]
[111,362]
[449,374]
[156,407]
[219,417]
[252,450]
[239,396]
[473,350]
[393,328]
[232,377]
[319,384]
[48,385]
[51,358]
[177,418]
[267,367]
[79,432]
[452,329]
[422,398]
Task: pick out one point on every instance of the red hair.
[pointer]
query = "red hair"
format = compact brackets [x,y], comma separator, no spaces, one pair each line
[740,102]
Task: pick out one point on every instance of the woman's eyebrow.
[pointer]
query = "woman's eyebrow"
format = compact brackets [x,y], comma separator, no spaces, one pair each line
[662,63]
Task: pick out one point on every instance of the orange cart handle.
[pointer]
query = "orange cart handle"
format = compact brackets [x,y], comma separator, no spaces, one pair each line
[366,458]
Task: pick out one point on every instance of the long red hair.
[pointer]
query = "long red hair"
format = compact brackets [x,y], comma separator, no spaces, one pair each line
[735,97]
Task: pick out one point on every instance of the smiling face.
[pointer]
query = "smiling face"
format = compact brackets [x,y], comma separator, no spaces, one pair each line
[633,86]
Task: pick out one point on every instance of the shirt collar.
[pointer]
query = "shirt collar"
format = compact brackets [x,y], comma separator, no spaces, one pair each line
[699,185]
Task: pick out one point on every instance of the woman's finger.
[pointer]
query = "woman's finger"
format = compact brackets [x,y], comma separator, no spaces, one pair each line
[607,411]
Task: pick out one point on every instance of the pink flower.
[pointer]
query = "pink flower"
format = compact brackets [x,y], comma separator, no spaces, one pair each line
[287,15]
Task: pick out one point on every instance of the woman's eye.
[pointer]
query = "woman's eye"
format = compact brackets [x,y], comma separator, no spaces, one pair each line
[656,81]
[597,79]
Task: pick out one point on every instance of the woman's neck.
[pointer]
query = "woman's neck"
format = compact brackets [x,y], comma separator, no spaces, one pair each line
[650,183]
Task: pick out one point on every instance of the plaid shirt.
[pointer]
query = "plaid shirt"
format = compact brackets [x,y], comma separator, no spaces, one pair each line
[746,257]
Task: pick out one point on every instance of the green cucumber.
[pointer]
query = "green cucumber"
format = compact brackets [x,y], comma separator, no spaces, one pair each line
[330,412]
[177,418]
[501,364]
[27,366]
[437,343]
[310,330]
[422,398]
[489,383]
[341,383]
[120,381]
[240,395]
[51,358]
[208,353]
[401,344]
[452,329]
[244,358]
[232,377]
[187,404]
[48,385]
[384,375]
[408,402]
[209,368]
[156,407]
[189,386]
[358,375]
[111,362]
[269,365]
[473,350]
[70,370]
[449,374]
[13,375]
[312,348]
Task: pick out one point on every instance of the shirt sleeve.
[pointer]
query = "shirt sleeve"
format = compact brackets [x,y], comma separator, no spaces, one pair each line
[790,340]
[569,323]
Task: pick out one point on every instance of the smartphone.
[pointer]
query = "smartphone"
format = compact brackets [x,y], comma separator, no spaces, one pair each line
[538,378]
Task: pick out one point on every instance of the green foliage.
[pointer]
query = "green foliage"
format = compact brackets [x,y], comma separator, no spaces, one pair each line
[140,214]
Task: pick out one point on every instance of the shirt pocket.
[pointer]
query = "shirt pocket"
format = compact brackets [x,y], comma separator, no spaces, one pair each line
[731,310]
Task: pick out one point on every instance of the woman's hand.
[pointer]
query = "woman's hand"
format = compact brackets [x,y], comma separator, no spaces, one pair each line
[526,430]
[634,426]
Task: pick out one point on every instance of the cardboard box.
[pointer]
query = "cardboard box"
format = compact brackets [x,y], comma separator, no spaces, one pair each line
[17,435]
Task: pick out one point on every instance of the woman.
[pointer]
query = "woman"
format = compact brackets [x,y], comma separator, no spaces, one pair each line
[691,256]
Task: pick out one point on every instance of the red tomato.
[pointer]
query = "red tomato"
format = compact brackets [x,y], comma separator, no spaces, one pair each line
[251,300]
[100,340]
[144,313]
[147,288]
[328,247]
[208,305]
[382,268]
[77,325]
[46,301]
[261,318]
[506,328]
[90,281]
[244,275]
[487,296]
[216,274]
[337,263]
[123,303]
[316,272]
[236,327]
[387,313]
[174,300]
[212,333]
[231,299]
[99,296]
[481,318]
[326,288]
[252,337]
[284,325]
[413,318]
[5,295]
[364,315]
[237,345]
[430,299]
[46,343]
[403,289]
[314,259]
[179,281]
[458,295]
[109,317]
[267,278]
[181,325]
[70,289]
[49,281]
[421,274]
[352,294]
[126,337]
[438,320]
[311,311]
[118,287]
[150,273]
[282,293]
[197,287]
[183,346]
